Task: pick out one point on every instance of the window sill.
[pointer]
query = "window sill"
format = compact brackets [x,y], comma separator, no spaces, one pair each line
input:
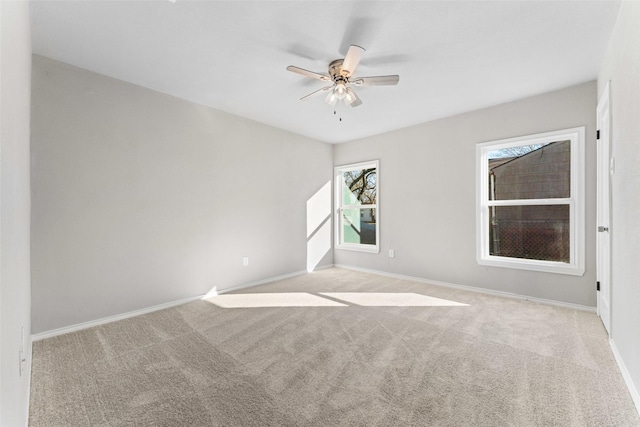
[532,265]
[360,248]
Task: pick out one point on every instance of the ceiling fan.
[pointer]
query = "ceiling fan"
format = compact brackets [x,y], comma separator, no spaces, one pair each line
[341,73]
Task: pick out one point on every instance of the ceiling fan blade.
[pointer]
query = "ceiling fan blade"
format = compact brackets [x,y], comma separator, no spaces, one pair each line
[353,99]
[352,59]
[308,73]
[326,88]
[376,80]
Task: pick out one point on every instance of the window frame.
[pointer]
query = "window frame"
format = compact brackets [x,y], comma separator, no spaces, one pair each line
[576,202]
[339,207]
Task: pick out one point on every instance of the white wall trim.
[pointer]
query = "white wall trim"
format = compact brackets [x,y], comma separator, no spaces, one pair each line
[85,325]
[472,288]
[91,323]
[80,326]
[28,372]
[322,267]
[633,391]
[215,292]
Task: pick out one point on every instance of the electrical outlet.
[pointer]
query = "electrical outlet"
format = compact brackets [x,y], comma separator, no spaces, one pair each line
[245,261]
[392,253]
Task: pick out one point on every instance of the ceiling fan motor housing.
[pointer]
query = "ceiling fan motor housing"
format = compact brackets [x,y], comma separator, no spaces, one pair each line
[336,72]
[340,79]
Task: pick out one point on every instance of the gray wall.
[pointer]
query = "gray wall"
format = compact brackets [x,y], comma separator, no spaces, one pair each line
[622,67]
[427,195]
[15,304]
[140,198]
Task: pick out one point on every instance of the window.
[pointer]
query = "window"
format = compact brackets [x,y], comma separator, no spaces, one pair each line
[530,201]
[357,213]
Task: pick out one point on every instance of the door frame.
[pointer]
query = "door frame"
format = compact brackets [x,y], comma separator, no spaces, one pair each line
[604,171]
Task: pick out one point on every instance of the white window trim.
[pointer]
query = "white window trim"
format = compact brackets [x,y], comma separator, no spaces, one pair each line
[338,207]
[576,203]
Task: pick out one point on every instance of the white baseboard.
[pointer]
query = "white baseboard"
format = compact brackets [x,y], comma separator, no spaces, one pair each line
[322,267]
[102,321]
[471,288]
[28,372]
[78,327]
[215,292]
[633,391]
[85,325]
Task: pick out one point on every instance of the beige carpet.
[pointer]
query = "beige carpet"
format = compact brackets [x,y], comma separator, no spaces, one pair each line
[334,350]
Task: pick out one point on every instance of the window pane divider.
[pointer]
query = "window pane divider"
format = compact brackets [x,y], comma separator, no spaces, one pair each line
[346,207]
[530,202]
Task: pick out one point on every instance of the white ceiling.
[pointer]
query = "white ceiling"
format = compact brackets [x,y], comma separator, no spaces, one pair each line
[452,56]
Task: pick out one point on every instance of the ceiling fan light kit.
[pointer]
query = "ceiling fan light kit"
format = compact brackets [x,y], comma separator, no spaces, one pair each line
[341,73]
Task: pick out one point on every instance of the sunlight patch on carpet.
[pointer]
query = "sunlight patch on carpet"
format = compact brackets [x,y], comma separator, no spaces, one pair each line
[304,299]
[393,299]
[285,299]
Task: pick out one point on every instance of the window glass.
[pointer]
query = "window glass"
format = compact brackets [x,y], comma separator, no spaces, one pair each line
[357,210]
[359,187]
[540,171]
[531,202]
[359,226]
[530,232]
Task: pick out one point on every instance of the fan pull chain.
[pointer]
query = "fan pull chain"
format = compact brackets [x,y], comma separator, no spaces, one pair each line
[334,113]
